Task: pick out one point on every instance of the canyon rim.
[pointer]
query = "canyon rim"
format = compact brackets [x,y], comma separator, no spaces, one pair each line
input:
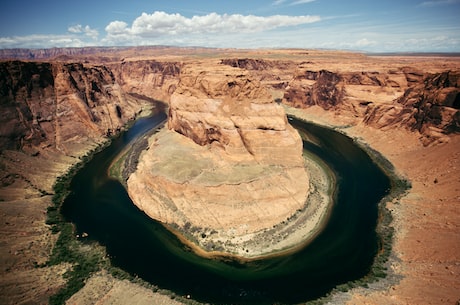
[407,107]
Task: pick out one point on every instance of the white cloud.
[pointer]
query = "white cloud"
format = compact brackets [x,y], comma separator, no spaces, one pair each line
[301,2]
[87,30]
[161,23]
[364,42]
[116,27]
[439,2]
[297,2]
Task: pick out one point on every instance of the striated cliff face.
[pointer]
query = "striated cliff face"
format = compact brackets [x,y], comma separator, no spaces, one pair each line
[322,88]
[148,78]
[236,113]
[60,105]
[431,107]
[26,90]
[428,103]
[399,96]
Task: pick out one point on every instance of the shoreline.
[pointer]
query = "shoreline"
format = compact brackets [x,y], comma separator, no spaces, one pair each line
[382,273]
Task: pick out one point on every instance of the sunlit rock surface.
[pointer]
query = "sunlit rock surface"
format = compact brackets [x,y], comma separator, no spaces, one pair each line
[229,163]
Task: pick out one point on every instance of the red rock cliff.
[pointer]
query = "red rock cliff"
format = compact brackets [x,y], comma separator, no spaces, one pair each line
[60,105]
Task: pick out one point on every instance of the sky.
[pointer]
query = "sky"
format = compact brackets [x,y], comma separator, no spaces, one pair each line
[361,25]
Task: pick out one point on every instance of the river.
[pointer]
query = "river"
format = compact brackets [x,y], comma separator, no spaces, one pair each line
[343,251]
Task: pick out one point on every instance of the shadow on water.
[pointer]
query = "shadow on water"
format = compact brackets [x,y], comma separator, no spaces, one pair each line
[343,251]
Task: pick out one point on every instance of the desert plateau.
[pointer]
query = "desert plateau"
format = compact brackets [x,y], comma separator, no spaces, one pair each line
[225,171]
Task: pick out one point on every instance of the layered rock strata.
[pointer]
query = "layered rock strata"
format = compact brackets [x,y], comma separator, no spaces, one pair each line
[397,96]
[52,114]
[59,105]
[230,165]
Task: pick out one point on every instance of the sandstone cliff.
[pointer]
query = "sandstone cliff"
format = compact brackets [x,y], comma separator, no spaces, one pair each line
[51,115]
[235,113]
[60,105]
[147,79]
[230,163]
[400,96]
[431,107]
[394,99]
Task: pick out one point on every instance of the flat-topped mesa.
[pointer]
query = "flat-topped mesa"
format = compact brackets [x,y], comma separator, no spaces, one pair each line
[235,113]
[229,164]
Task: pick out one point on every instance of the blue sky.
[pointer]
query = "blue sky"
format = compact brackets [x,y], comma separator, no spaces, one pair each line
[375,26]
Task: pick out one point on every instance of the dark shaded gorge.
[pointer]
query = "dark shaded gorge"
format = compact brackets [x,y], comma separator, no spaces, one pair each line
[342,252]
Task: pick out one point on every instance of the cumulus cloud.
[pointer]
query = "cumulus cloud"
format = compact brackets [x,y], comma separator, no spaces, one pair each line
[87,30]
[161,23]
[116,27]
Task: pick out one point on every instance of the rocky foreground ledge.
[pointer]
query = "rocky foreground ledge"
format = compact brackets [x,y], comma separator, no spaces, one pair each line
[228,172]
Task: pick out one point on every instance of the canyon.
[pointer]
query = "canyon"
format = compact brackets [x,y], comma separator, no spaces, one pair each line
[56,110]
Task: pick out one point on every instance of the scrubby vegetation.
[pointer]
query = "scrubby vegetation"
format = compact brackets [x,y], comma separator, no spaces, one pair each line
[384,230]
[85,257]
[84,260]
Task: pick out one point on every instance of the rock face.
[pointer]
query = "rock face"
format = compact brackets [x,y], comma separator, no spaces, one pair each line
[230,163]
[148,79]
[236,114]
[326,90]
[60,105]
[430,107]
[397,98]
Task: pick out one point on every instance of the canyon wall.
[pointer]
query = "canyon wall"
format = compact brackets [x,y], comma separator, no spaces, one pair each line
[38,98]
[230,109]
[52,114]
[399,96]
[60,105]
[148,79]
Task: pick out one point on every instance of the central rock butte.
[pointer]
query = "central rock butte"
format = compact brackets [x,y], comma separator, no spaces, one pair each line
[228,168]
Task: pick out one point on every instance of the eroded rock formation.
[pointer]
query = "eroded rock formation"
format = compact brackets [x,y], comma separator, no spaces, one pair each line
[235,113]
[428,103]
[60,105]
[148,79]
[230,163]
[430,107]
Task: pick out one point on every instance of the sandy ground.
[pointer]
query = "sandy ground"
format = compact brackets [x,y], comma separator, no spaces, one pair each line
[104,289]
